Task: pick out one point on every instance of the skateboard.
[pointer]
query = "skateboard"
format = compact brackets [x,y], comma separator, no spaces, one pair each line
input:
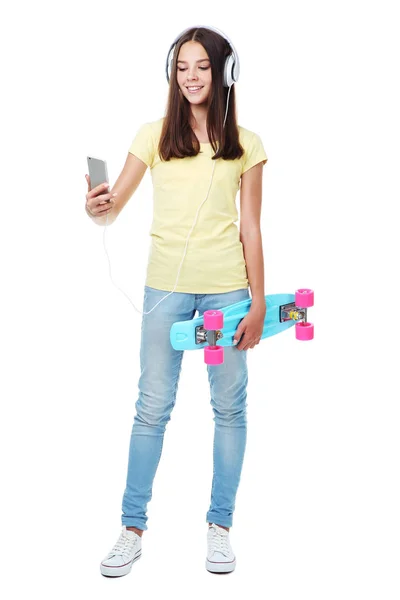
[216,328]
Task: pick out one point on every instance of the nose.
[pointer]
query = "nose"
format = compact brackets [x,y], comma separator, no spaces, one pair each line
[191,75]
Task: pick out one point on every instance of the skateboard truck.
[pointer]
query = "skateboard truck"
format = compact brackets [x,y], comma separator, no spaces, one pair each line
[211,336]
[292,312]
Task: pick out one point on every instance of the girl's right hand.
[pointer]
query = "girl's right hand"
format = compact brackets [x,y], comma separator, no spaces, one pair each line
[99,202]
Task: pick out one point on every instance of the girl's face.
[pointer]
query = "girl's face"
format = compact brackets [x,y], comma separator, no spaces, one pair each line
[194,70]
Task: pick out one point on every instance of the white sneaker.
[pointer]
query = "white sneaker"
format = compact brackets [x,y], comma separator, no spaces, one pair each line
[126,551]
[220,558]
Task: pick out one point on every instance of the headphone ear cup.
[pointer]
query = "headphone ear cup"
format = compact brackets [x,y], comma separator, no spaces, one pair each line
[169,68]
[228,70]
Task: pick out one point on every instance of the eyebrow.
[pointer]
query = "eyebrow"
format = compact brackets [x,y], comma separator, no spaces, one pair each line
[201,60]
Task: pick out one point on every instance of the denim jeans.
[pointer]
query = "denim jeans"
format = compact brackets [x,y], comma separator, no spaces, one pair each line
[158,383]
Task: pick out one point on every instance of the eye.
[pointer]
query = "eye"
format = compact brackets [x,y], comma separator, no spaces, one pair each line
[202,68]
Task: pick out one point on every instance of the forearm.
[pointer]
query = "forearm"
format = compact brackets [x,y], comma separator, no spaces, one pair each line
[253,254]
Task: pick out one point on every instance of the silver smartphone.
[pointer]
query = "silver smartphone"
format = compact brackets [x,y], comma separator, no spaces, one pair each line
[97,172]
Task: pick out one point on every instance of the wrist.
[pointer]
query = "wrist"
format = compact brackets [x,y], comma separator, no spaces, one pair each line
[99,219]
[258,303]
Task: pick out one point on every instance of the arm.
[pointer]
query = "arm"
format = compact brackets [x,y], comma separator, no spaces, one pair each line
[126,184]
[250,233]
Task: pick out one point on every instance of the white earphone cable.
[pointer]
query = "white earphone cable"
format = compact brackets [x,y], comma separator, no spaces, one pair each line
[187,239]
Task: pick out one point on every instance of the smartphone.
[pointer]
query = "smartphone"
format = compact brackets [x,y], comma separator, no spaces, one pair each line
[97,172]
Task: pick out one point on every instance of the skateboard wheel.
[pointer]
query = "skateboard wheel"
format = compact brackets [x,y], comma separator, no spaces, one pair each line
[304,298]
[304,331]
[213,319]
[213,355]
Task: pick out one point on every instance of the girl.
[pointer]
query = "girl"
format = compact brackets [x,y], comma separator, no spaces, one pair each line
[221,263]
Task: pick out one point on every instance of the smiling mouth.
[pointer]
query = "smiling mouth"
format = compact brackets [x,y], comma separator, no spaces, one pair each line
[195,89]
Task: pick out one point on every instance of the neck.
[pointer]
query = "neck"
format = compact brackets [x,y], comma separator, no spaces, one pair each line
[199,117]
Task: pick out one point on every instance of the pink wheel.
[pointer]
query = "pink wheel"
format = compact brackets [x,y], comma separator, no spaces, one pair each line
[213,355]
[213,319]
[304,298]
[304,331]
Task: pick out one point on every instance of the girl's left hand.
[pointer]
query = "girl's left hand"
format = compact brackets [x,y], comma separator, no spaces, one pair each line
[251,328]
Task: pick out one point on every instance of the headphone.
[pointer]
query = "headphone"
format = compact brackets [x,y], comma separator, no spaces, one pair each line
[231,67]
[231,76]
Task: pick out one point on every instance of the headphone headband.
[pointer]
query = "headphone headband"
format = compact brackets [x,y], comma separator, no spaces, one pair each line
[231,66]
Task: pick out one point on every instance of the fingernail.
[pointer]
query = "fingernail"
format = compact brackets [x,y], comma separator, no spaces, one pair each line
[235,342]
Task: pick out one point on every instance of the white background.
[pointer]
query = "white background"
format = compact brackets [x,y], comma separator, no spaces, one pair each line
[317,508]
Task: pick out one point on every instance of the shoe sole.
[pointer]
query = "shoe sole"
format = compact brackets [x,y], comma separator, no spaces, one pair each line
[220,567]
[109,571]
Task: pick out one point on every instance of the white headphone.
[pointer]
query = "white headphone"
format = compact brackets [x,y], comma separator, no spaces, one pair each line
[231,67]
[231,76]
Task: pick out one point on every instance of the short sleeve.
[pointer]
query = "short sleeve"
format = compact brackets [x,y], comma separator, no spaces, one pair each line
[143,145]
[254,153]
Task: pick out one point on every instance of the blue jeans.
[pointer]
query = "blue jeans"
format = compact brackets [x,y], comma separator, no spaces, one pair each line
[158,383]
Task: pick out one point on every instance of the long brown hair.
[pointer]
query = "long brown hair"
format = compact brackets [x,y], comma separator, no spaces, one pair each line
[177,138]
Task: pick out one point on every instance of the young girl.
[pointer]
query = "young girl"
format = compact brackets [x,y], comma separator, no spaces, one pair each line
[197,139]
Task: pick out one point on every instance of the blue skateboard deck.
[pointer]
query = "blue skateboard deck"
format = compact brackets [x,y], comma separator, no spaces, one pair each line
[183,334]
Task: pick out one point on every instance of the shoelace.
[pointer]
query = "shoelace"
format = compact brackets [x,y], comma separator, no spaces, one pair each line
[124,544]
[218,541]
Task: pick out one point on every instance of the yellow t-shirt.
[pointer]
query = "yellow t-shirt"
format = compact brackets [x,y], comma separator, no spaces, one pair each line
[214,260]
